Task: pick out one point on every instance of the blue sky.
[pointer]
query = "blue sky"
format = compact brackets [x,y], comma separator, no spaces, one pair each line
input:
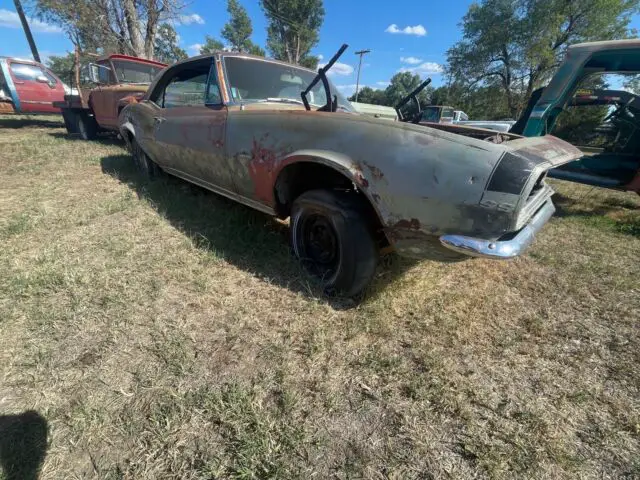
[413,35]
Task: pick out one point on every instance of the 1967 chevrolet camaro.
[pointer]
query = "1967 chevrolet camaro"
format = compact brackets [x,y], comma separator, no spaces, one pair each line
[283,140]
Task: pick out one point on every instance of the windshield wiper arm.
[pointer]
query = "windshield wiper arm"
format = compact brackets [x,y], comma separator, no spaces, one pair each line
[332,103]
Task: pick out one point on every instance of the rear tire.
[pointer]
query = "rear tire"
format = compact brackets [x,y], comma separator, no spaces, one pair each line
[87,126]
[330,234]
[145,166]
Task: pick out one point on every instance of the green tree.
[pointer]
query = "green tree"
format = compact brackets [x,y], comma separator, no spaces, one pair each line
[238,29]
[62,66]
[404,83]
[370,95]
[119,26]
[293,29]
[211,45]
[166,48]
[517,44]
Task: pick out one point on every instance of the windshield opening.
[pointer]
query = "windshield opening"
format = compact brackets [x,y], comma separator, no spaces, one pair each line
[256,80]
[431,114]
[134,72]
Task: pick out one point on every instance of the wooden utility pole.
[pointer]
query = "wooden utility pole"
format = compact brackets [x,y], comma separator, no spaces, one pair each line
[27,31]
[361,53]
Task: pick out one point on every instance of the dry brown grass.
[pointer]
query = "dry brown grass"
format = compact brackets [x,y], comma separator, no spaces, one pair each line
[163,332]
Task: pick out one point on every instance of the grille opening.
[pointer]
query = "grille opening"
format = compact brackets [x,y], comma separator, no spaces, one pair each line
[539,185]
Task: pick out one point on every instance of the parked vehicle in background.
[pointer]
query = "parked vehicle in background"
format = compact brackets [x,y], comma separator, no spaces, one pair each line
[437,114]
[611,164]
[445,114]
[376,111]
[497,125]
[29,87]
[460,116]
[351,184]
[109,84]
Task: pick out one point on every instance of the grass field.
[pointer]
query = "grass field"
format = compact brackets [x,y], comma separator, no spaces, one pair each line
[154,330]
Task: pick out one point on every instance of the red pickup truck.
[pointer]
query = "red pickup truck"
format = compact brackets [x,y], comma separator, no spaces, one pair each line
[29,87]
[107,85]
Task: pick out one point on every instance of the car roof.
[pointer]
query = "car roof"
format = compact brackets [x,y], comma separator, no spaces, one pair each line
[240,55]
[118,56]
[21,60]
[605,45]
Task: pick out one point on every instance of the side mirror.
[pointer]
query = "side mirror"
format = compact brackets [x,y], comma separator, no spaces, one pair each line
[93,72]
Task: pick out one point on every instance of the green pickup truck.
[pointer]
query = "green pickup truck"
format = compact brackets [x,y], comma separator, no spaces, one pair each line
[613,161]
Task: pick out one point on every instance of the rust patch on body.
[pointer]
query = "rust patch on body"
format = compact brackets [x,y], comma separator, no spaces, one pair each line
[375,171]
[261,168]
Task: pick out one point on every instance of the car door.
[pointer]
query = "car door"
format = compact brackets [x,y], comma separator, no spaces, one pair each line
[190,125]
[37,89]
[101,97]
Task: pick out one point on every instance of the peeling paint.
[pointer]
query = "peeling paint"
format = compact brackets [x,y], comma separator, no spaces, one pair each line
[375,171]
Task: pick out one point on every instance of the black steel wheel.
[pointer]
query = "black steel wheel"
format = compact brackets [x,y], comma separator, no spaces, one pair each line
[330,234]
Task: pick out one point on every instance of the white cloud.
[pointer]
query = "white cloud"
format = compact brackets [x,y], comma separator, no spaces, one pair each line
[348,90]
[320,57]
[417,30]
[189,19]
[411,60]
[338,68]
[425,68]
[383,84]
[9,19]
[195,48]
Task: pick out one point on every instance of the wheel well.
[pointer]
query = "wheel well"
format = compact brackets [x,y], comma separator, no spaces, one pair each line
[301,177]
[128,137]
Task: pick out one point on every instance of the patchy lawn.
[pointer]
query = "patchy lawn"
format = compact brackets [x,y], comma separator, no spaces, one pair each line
[154,330]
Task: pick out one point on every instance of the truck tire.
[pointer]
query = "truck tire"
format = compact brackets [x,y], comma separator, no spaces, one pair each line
[70,121]
[330,234]
[87,126]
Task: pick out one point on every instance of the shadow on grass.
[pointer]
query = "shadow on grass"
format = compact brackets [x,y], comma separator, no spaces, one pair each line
[251,240]
[106,138]
[23,445]
[614,214]
[24,121]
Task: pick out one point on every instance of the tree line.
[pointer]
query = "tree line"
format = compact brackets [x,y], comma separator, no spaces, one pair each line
[508,48]
[146,29]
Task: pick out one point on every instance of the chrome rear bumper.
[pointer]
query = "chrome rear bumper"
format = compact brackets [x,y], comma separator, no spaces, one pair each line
[501,249]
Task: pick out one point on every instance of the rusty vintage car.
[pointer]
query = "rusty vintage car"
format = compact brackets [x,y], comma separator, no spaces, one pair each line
[283,140]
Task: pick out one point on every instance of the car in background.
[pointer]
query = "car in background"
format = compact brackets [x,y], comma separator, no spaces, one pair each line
[376,111]
[283,140]
[446,114]
[29,87]
[614,164]
[107,85]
